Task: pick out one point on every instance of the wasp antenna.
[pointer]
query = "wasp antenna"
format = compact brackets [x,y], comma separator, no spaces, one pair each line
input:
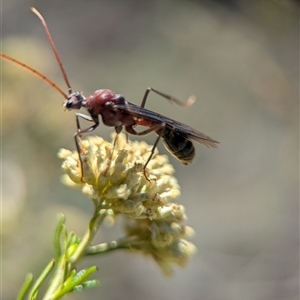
[37,13]
[35,72]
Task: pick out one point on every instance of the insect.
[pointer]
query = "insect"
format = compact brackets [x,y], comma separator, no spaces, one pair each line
[116,112]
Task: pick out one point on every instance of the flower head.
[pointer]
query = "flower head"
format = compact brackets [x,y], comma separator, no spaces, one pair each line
[113,178]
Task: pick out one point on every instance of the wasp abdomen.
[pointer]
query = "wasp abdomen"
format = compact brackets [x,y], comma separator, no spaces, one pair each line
[178,145]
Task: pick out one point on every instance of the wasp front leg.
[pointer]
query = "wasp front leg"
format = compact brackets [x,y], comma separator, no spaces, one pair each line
[80,131]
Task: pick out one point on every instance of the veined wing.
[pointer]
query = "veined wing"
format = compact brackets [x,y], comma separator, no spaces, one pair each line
[178,127]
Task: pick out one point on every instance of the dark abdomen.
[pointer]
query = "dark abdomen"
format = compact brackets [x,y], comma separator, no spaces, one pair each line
[178,145]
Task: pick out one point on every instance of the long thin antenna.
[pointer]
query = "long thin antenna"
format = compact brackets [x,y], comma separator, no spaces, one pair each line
[35,72]
[53,48]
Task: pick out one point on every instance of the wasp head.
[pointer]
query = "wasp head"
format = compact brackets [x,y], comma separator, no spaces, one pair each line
[74,101]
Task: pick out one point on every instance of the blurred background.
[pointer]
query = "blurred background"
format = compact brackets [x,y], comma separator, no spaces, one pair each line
[241,59]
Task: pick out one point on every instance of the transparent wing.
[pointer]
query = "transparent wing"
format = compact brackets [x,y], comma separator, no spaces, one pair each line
[178,127]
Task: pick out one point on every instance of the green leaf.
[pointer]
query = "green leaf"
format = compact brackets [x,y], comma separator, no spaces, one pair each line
[60,236]
[27,282]
[79,279]
[41,279]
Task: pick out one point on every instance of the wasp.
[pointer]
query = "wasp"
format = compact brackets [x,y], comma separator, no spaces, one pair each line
[116,112]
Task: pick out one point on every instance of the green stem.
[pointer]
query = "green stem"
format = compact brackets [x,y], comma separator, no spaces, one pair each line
[94,225]
[116,245]
[57,279]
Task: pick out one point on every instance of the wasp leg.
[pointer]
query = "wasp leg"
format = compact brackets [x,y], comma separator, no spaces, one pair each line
[159,129]
[80,131]
[188,102]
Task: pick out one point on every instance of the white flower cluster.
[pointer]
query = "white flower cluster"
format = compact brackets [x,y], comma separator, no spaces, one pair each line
[113,178]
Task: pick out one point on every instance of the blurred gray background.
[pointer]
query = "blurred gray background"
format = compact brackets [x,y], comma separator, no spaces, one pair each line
[241,59]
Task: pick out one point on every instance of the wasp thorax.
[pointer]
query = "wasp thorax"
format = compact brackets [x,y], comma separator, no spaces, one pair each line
[74,101]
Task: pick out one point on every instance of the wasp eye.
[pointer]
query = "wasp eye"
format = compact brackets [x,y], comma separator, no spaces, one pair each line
[68,104]
[74,101]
